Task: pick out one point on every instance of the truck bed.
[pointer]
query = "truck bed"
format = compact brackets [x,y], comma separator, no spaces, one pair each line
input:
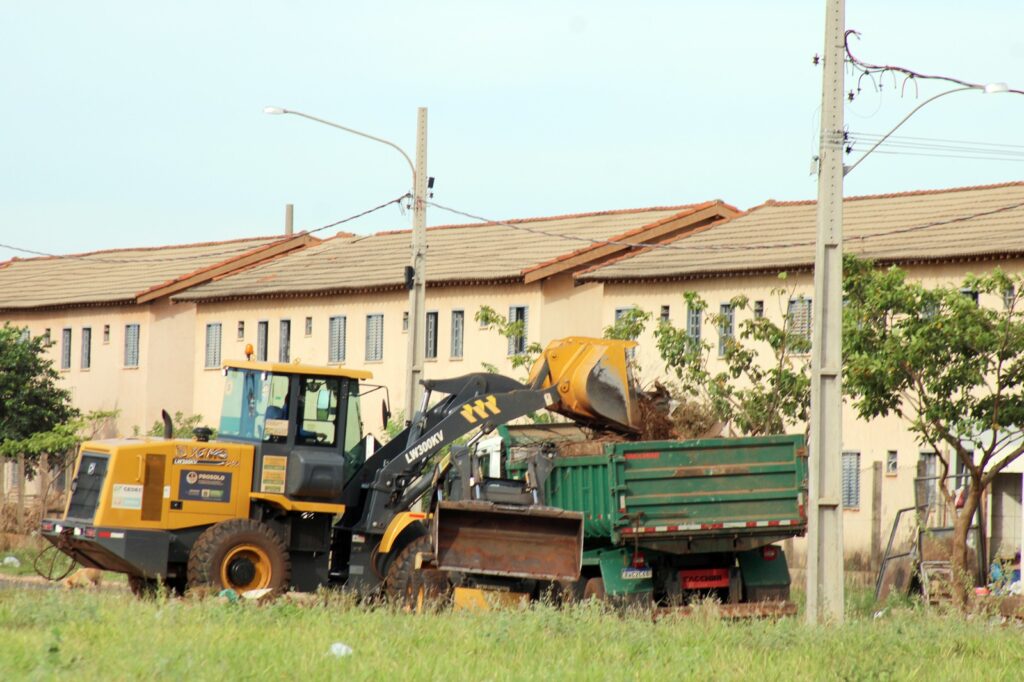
[683,496]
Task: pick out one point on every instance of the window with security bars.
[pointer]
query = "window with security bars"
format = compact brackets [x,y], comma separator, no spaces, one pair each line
[726,327]
[517,344]
[131,345]
[374,337]
[106,333]
[665,313]
[693,323]
[241,330]
[284,351]
[800,317]
[25,335]
[1008,295]
[337,328]
[65,348]
[758,309]
[309,326]
[851,480]
[262,332]
[458,330]
[430,352]
[213,337]
[86,347]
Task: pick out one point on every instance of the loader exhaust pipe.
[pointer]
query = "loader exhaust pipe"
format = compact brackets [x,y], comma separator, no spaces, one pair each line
[539,543]
[168,425]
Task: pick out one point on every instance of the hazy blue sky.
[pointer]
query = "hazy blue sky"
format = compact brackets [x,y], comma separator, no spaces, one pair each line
[139,123]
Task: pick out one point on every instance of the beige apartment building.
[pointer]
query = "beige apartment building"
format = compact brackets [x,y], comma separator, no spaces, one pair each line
[118,341]
[937,236]
[344,302]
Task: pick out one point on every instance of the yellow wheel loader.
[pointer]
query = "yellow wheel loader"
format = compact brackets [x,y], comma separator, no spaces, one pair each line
[291,495]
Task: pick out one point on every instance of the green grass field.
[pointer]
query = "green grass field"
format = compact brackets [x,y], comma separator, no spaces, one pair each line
[52,634]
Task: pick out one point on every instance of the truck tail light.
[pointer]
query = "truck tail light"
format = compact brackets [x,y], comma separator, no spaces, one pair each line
[769,552]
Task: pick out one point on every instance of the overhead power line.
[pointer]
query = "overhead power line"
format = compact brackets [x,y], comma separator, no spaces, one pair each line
[727,247]
[235,251]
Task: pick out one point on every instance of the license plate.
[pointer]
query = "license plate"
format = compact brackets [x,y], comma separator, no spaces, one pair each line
[637,573]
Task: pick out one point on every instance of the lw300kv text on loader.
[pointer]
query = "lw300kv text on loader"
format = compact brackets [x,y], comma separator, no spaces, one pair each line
[291,494]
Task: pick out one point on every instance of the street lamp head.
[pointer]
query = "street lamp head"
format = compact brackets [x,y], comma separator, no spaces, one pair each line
[991,88]
[274,110]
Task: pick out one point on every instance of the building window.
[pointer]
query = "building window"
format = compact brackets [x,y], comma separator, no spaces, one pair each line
[693,323]
[517,344]
[928,476]
[337,329]
[106,334]
[213,345]
[458,329]
[86,347]
[405,321]
[65,348]
[891,463]
[309,326]
[726,327]
[25,335]
[971,294]
[374,337]
[241,330]
[262,332]
[131,345]
[46,335]
[284,351]
[851,480]
[800,317]
[431,347]
[665,313]
[1008,295]
[758,310]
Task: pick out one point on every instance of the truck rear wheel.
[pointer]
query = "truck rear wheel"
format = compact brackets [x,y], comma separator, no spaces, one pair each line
[240,554]
[594,589]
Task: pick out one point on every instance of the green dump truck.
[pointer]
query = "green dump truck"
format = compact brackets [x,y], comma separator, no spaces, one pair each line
[675,521]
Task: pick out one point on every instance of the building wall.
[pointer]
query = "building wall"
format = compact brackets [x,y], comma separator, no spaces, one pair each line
[479,345]
[164,373]
[873,440]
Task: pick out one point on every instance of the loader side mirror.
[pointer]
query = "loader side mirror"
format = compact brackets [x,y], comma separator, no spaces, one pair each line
[385,413]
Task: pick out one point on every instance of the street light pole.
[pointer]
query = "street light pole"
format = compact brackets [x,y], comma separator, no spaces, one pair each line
[417,292]
[416,277]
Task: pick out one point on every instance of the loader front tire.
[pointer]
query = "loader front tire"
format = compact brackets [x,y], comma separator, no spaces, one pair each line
[413,589]
[240,554]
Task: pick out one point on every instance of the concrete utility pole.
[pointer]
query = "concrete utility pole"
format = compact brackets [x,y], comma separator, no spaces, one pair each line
[825,517]
[417,292]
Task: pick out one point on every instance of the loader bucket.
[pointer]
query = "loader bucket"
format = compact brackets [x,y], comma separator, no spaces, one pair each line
[594,381]
[541,543]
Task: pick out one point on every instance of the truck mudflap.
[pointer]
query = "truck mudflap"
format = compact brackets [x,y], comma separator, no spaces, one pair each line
[540,543]
[137,552]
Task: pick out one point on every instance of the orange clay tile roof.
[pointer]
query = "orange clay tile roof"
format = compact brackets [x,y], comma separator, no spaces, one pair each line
[481,252]
[928,225]
[116,276]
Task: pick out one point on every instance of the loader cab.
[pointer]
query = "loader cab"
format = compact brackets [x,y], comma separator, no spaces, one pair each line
[304,423]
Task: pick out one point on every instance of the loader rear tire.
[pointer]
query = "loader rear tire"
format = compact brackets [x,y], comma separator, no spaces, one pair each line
[149,588]
[240,554]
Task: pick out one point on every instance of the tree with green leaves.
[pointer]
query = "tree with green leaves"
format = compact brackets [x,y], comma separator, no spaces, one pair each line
[494,321]
[757,395]
[953,369]
[35,411]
